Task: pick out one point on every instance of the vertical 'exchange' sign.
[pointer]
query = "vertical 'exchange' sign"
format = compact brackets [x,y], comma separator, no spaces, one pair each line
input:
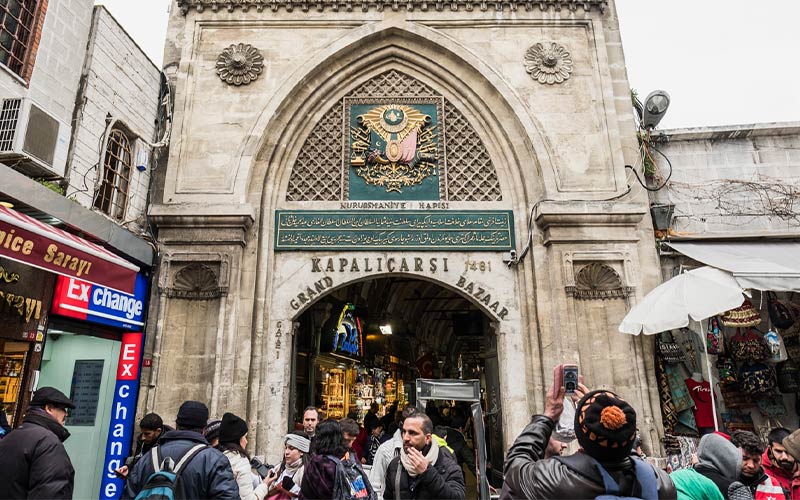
[120,433]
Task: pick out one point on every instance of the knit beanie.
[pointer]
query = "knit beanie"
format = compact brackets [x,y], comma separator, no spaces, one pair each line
[211,432]
[232,428]
[792,444]
[192,415]
[605,426]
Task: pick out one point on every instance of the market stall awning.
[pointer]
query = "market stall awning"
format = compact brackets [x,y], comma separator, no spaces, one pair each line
[37,244]
[760,265]
[693,295]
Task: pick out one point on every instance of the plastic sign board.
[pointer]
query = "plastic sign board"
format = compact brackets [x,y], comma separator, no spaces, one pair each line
[347,339]
[97,304]
[123,413]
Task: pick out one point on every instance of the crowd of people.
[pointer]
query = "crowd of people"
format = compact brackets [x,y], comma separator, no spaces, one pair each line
[407,454]
[609,462]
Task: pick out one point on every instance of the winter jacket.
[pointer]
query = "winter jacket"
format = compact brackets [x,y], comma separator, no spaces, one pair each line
[386,452]
[463,453]
[442,480]
[691,485]
[778,474]
[723,482]
[527,475]
[33,460]
[244,477]
[720,461]
[762,486]
[318,478]
[207,475]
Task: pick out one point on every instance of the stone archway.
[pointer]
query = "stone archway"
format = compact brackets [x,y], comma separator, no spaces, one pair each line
[403,58]
[304,280]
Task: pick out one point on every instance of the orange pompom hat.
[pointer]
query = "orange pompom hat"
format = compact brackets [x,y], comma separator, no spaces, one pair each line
[605,425]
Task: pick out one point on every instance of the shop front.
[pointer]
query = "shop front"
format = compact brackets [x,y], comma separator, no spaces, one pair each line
[738,369]
[73,317]
[94,338]
[352,369]
[25,295]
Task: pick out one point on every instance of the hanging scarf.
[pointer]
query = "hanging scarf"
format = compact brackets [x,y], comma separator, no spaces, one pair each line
[432,456]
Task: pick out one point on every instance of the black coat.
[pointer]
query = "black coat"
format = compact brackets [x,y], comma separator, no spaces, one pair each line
[34,462]
[463,453]
[527,475]
[443,480]
[207,475]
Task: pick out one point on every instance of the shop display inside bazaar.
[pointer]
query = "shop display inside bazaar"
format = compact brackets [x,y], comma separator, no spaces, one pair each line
[750,356]
[348,377]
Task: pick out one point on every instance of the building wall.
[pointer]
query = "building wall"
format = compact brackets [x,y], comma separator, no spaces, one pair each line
[120,83]
[559,151]
[729,180]
[55,78]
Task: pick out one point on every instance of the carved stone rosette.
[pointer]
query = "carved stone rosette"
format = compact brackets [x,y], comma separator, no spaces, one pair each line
[240,64]
[548,63]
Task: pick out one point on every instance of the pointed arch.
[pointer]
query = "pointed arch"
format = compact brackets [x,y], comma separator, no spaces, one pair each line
[517,147]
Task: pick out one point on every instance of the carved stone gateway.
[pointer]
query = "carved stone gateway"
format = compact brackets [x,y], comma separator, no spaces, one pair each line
[519,208]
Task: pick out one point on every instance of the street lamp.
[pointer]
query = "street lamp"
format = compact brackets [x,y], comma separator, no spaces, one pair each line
[655,107]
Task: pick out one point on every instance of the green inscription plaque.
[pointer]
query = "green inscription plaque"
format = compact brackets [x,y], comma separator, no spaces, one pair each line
[472,230]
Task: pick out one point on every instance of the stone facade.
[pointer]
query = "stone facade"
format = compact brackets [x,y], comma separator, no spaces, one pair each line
[552,153]
[732,180]
[119,88]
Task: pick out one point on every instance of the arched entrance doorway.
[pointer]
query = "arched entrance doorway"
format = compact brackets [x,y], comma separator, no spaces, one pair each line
[368,341]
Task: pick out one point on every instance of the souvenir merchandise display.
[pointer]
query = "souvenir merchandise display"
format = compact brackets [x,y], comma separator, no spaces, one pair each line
[776,348]
[713,343]
[700,391]
[754,372]
[12,367]
[743,316]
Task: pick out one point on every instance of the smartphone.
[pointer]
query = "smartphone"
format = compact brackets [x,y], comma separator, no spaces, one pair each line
[570,378]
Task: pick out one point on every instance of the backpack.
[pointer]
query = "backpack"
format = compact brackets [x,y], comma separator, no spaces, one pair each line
[160,485]
[587,466]
[350,483]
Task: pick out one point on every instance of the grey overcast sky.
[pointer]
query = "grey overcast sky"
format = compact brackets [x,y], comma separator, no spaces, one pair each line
[723,62]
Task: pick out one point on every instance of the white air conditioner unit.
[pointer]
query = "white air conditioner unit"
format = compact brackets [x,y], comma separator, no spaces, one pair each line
[31,140]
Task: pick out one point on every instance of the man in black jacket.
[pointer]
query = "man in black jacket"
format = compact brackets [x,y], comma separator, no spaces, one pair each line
[33,459]
[605,426]
[456,440]
[423,470]
[207,475]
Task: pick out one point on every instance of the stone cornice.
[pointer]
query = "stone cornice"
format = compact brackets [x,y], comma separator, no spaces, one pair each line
[379,5]
[585,221]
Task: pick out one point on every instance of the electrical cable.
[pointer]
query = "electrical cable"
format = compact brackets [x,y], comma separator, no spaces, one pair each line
[640,179]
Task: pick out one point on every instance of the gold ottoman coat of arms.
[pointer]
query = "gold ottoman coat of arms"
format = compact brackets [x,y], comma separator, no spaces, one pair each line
[393,146]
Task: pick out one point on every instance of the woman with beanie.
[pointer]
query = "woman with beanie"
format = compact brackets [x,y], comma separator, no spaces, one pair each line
[232,443]
[290,472]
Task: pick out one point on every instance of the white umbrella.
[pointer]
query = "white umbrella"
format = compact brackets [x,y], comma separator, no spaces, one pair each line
[697,294]
[694,295]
